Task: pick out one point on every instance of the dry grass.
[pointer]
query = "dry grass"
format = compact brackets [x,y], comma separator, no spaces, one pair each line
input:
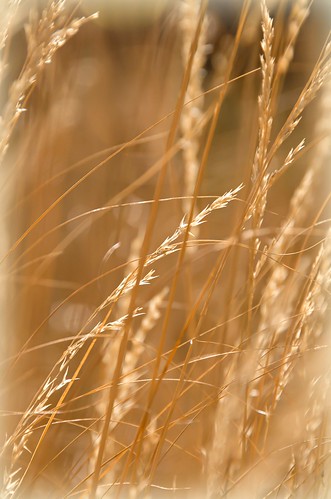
[166,249]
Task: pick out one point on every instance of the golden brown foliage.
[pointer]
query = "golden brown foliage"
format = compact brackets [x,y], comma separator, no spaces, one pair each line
[166,249]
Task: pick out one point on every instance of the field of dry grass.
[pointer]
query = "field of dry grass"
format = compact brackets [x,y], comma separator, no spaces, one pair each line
[166,248]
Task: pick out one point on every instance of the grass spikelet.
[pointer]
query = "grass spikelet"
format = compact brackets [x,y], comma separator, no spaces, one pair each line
[192,112]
